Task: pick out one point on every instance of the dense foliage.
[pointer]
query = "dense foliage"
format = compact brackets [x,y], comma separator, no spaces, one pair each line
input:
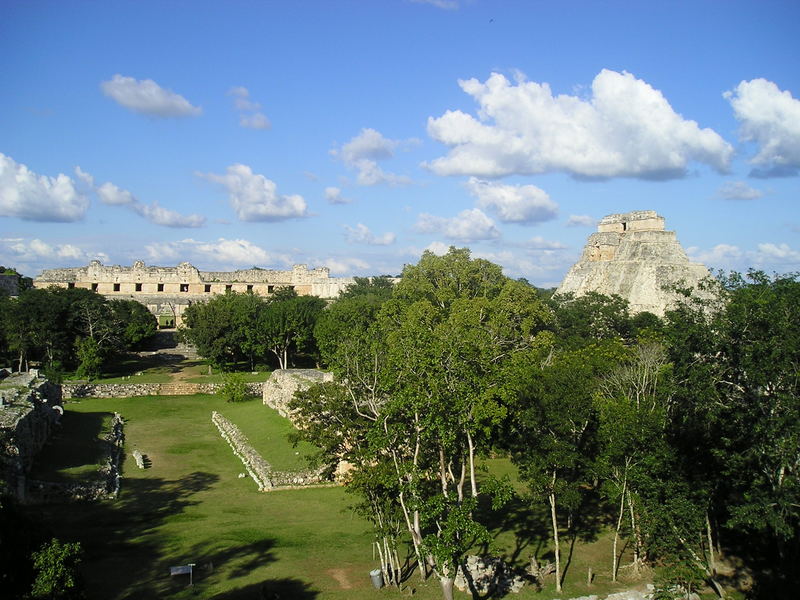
[70,329]
[233,328]
[679,435]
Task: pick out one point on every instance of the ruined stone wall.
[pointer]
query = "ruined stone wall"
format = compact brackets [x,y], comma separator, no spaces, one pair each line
[167,291]
[631,255]
[279,389]
[29,410]
[130,390]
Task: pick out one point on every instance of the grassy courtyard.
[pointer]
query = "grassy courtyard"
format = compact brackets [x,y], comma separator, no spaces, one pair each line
[190,506]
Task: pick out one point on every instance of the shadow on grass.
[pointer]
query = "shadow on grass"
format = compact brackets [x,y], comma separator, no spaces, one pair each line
[78,443]
[119,537]
[272,589]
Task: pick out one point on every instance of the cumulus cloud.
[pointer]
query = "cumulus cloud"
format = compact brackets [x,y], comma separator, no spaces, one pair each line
[738,190]
[249,110]
[581,221]
[334,196]
[148,98]
[32,197]
[115,196]
[223,253]
[360,234]
[625,129]
[363,152]
[344,265]
[537,242]
[255,198]
[768,255]
[468,226]
[20,251]
[513,203]
[771,119]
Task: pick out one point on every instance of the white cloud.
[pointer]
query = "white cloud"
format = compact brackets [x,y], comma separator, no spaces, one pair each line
[254,121]
[115,196]
[362,153]
[255,198]
[438,248]
[777,254]
[770,118]
[32,197]
[148,98]
[249,115]
[626,129]
[344,265]
[334,196]
[20,251]
[360,234]
[581,221]
[738,190]
[539,243]
[469,226]
[223,253]
[159,215]
[513,203]
[767,255]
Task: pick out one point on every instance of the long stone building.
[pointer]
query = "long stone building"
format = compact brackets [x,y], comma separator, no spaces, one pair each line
[167,291]
[632,255]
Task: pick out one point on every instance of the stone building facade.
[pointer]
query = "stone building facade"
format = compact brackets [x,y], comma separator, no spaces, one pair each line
[633,256]
[167,291]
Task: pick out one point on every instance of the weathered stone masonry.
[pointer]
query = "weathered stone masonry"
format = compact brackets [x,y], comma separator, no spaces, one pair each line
[631,255]
[167,291]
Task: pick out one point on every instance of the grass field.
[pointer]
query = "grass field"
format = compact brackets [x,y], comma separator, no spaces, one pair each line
[191,507]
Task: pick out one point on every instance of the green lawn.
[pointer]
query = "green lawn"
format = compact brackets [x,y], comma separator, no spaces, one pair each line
[190,506]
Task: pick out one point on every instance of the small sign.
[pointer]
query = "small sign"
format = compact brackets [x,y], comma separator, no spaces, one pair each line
[181,570]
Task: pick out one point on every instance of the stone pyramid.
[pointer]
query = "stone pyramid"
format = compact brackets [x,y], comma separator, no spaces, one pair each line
[631,255]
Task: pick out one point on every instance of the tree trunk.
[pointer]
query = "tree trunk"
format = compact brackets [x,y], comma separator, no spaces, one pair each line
[447,587]
[472,480]
[614,566]
[552,498]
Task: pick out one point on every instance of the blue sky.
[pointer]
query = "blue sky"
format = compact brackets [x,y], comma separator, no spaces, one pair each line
[357,134]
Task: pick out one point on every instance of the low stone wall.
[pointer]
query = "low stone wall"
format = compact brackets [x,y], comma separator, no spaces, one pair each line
[260,470]
[129,390]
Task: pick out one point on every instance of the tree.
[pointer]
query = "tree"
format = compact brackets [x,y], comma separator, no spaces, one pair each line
[554,429]
[137,324]
[736,356]
[286,327]
[422,391]
[632,405]
[57,577]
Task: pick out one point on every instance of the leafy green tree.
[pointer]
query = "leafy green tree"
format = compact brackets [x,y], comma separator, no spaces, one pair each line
[286,327]
[215,327]
[90,357]
[233,389]
[136,323]
[736,356]
[57,576]
[632,404]
[554,430]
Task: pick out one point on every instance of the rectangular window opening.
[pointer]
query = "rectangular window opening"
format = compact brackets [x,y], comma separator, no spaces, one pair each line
[207,288]
[94,287]
[228,288]
[184,287]
[138,287]
[249,288]
[116,287]
[160,287]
